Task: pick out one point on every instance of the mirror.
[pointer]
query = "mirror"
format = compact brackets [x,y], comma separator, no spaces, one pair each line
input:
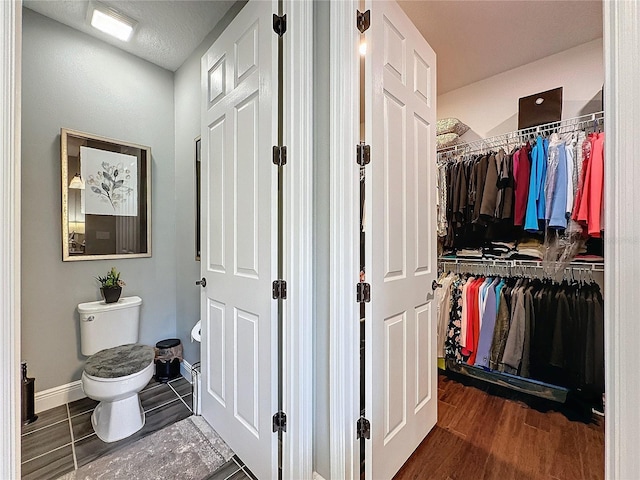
[106,198]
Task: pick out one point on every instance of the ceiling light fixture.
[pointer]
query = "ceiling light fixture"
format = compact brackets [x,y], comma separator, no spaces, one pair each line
[111,22]
[77,182]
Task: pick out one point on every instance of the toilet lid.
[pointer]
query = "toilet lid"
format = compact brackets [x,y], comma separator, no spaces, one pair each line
[119,361]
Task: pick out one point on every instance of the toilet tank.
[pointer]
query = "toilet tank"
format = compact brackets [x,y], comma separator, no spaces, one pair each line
[106,325]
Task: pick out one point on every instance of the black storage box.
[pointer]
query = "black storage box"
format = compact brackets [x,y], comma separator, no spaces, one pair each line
[168,358]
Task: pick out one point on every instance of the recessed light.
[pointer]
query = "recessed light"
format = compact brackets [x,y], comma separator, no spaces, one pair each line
[111,22]
[539,100]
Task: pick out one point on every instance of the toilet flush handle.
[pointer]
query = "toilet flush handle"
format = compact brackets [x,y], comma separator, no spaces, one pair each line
[90,318]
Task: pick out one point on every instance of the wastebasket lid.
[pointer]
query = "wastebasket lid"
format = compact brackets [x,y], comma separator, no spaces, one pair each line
[168,343]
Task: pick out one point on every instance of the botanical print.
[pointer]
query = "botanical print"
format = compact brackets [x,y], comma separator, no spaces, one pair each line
[111,182]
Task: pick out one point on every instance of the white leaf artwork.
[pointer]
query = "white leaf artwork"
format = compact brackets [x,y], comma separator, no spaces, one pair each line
[111,182]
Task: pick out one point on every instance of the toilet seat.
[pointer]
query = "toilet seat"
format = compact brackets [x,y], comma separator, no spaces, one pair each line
[118,363]
[114,377]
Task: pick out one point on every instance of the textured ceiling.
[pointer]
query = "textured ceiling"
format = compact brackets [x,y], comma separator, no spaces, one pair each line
[476,39]
[167,32]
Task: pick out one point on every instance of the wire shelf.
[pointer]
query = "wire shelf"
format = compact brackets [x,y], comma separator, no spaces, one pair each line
[520,136]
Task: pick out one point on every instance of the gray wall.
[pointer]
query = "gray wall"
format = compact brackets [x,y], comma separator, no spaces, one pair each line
[321,173]
[72,80]
[187,116]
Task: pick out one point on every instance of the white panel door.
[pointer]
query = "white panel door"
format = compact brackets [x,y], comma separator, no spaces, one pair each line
[400,109]
[239,253]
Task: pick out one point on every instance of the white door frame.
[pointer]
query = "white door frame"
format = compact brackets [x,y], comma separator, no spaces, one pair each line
[10,102]
[622,115]
[622,229]
[298,210]
[344,221]
[298,240]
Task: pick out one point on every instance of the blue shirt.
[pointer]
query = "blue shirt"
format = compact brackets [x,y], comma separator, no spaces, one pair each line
[559,202]
[535,200]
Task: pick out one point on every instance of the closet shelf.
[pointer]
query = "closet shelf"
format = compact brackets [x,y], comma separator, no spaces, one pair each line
[519,136]
[513,382]
[594,266]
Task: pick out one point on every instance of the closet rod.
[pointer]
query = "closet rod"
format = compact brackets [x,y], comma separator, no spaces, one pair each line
[498,262]
[566,125]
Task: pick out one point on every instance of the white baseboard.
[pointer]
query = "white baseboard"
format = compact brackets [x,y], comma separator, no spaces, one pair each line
[185,370]
[56,396]
[317,476]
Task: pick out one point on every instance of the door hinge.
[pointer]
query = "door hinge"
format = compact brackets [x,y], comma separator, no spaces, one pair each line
[279,422]
[363,154]
[279,289]
[363,292]
[279,156]
[363,428]
[363,20]
[280,24]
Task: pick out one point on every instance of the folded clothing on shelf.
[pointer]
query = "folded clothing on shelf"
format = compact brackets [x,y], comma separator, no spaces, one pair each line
[469,253]
[528,248]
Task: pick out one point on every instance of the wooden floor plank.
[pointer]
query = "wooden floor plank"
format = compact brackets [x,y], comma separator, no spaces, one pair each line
[485,434]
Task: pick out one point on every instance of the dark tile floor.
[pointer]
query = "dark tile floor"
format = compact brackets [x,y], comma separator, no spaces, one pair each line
[234,469]
[62,439]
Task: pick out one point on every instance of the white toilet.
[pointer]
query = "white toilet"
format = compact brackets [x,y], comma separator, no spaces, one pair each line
[117,369]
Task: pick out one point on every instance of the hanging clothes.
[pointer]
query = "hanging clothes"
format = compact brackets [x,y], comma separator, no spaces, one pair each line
[548,331]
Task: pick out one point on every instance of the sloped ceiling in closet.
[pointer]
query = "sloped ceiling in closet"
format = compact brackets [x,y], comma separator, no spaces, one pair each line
[476,39]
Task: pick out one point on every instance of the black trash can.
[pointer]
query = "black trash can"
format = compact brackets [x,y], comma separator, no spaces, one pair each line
[168,358]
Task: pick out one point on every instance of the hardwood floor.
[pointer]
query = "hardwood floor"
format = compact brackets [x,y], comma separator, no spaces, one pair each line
[488,432]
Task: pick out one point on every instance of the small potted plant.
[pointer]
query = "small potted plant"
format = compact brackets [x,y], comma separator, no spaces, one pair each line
[111,286]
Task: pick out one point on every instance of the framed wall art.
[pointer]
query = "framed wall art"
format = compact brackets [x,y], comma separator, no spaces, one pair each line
[106,197]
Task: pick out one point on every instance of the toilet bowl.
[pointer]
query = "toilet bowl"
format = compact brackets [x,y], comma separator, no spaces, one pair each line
[117,369]
[119,413]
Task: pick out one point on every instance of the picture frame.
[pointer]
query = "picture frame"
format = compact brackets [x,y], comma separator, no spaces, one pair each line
[106,197]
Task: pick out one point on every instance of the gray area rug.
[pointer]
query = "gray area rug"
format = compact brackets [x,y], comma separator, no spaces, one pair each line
[188,450]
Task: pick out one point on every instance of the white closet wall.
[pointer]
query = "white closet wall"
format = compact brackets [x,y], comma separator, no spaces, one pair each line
[490,106]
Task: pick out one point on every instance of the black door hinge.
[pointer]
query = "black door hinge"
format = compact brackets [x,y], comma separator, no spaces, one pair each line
[363,428]
[280,24]
[279,289]
[280,156]
[363,154]
[279,422]
[363,292]
[363,20]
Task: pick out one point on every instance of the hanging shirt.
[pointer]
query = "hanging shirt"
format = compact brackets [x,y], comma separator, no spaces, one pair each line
[443,299]
[553,159]
[596,193]
[569,153]
[521,175]
[504,200]
[558,197]
[464,313]
[488,326]
[585,155]
[535,199]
